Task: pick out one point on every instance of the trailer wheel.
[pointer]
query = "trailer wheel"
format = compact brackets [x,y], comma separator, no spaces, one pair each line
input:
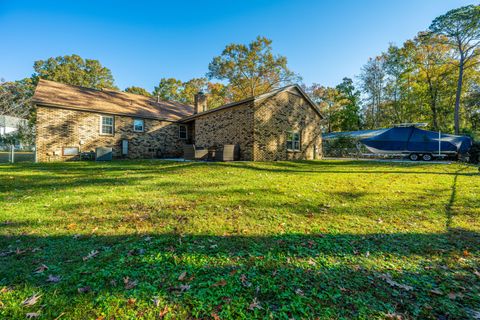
[427,157]
[413,156]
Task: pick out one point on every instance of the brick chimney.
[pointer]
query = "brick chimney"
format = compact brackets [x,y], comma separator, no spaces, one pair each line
[200,102]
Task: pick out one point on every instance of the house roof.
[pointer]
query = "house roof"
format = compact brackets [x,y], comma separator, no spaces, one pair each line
[55,94]
[255,99]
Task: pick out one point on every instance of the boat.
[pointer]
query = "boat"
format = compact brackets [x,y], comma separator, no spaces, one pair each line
[417,143]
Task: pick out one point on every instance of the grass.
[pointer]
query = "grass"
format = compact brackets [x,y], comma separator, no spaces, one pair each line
[312,239]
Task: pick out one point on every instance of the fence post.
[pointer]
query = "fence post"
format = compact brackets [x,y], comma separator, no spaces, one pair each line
[12,153]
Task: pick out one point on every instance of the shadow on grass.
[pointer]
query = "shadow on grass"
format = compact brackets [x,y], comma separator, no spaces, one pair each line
[290,275]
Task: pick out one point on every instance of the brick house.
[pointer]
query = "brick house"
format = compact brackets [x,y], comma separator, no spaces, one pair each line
[283,124]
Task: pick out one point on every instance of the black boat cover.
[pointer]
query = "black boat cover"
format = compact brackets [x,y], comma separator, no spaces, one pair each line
[412,139]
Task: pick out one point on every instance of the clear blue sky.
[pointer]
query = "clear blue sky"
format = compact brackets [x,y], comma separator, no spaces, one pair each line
[142,42]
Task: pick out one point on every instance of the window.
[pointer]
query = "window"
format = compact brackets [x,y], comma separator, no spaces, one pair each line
[70,151]
[293,141]
[106,125]
[138,125]
[182,132]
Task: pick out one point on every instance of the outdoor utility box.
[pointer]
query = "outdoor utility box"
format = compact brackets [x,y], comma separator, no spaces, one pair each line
[103,154]
[124,147]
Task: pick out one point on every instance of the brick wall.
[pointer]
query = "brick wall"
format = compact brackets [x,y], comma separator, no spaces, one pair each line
[230,126]
[274,117]
[57,128]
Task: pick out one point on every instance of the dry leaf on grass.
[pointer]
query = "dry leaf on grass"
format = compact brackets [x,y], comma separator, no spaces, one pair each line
[156,301]
[84,289]
[182,276]
[30,301]
[92,254]
[388,278]
[129,284]
[220,283]
[162,313]
[255,304]
[436,291]
[53,279]
[184,287]
[32,315]
[41,268]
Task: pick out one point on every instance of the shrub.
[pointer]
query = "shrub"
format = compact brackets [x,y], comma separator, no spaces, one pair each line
[341,147]
[475,152]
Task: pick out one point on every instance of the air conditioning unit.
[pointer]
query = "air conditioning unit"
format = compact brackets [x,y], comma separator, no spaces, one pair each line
[103,154]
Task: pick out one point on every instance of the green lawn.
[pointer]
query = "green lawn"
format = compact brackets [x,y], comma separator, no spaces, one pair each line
[313,239]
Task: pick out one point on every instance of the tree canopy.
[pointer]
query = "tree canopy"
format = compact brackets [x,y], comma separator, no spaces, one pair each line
[461,27]
[138,90]
[251,69]
[75,70]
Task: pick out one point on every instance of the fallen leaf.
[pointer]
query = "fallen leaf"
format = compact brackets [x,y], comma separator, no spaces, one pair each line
[299,292]
[5,290]
[53,279]
[131,301]
[71,226]
[388,278]
[255,304]
[156,301]
[182,276]
[92,254]
[162,313]
[129,284]
[243,279]
[41,268]
[84,289]
[233,272]
[453,295]
[312,262]
[220,283]
[215,316]
[32,315]
[30,301]
[476,273]
[184,287]
[436,291]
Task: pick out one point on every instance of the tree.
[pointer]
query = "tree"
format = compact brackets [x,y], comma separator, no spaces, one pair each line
[74,70]
[15,98]
[372,81]
[327,100]
[349,100]
[171,89]
[168,89]
[462,29]
[433,74]
[251,69]
[138,90]
[191,88]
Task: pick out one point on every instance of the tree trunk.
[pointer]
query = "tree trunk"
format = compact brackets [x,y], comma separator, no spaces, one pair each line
[458,96]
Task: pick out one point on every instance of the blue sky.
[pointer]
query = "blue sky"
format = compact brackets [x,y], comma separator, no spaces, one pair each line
[143,41]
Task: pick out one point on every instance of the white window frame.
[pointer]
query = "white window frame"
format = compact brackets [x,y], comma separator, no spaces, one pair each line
[69,151]
[143,125]
[102,125]
[180,132]
[295,143]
